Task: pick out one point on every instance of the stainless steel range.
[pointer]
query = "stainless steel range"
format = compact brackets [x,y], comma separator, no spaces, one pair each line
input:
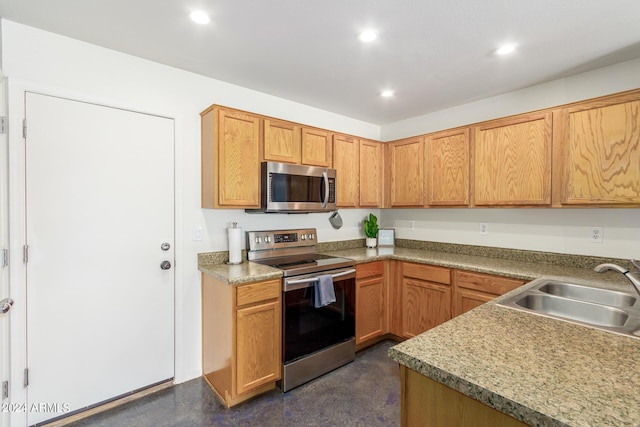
[315,339]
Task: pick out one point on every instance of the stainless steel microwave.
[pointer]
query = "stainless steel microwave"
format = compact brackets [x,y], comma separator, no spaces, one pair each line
[296,188]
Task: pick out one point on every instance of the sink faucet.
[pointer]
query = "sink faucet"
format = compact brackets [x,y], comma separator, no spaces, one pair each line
[633,276]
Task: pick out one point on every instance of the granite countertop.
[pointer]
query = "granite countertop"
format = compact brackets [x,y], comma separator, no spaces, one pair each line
[542,371]
[235,274]
[525,270]
[519,269]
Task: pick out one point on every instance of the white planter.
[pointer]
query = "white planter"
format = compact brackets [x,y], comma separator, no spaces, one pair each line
[371,242]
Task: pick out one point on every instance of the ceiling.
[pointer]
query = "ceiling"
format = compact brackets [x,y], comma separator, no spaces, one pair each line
[435,54]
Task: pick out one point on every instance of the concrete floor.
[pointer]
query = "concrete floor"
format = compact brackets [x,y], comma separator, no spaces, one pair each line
[365,392]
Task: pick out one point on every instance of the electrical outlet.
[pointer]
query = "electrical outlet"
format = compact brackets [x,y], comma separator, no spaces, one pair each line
[411,225]
[596,234]
[484,228]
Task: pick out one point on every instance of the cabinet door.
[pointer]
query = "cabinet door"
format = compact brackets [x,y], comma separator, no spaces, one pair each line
[316,147]
[257,345]
[370,298]
[425,305]
[231,166]
[345,161]
[599,151]
[466,299]
[474,289]
[447,168]
[371,174]
[281,141]
[407,166]
[512,161]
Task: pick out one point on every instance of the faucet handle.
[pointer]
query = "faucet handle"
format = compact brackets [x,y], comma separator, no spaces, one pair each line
[636,264]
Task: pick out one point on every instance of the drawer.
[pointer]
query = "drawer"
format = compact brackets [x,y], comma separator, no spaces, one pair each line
[427,272]
[255,292]
[370,269]
[485,282]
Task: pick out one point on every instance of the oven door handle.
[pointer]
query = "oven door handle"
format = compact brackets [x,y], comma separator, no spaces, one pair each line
[313,279]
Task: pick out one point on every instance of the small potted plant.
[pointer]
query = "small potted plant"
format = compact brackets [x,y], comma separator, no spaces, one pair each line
[371,230]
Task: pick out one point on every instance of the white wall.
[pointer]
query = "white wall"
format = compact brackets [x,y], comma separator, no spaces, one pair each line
[45,62]
[548,230]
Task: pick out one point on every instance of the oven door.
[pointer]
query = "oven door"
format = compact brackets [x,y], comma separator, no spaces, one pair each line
[307,329]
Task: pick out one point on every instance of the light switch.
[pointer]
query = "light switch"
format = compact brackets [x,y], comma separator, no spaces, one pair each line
[197,233]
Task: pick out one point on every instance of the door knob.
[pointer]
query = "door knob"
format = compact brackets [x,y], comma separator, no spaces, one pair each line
[165,246]
[5,305]
[165,265]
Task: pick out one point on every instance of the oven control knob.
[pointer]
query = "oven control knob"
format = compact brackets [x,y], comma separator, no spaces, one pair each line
[258,240]
[312,236]
[267,239]
[303,237]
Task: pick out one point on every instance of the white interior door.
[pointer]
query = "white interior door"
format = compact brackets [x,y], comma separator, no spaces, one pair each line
[100,204]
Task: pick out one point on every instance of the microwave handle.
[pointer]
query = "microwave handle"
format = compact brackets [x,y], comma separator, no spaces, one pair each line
[326,189]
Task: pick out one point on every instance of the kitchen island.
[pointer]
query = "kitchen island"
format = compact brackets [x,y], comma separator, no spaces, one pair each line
[538,370]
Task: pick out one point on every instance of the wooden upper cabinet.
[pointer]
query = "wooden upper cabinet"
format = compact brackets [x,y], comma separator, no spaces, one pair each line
[512,161]
[597,144]
[447,168]
[371,173]
[406,172]
[230,159]
[281,141]
[345,161]
[316,147]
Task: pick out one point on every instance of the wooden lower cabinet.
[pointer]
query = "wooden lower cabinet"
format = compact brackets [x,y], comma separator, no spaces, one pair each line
[371,291]
[426,297]
[427,403]
[474,289]
[241,338]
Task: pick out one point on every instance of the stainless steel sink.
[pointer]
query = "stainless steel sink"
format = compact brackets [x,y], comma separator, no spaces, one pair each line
[590,294]
[605,309]
[595,314]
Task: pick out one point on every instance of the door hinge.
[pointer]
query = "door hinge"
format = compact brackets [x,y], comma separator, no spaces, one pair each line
[26,377]
[5,390]
[3,124]
[4,258]
[25,254]
[24,128]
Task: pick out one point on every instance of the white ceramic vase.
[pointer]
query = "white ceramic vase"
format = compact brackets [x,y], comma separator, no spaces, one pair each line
[371,242]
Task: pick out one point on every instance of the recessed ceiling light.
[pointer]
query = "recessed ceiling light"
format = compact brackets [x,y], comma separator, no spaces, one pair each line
[506,49]
[387,93]
[199,17]
[368,36]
